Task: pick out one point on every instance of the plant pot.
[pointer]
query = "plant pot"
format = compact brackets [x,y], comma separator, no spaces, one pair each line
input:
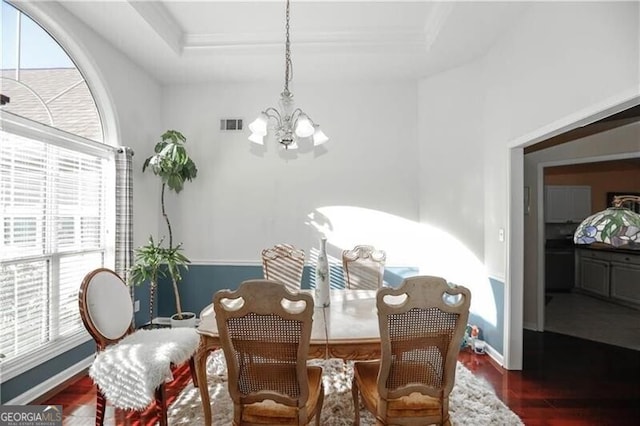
[188,320]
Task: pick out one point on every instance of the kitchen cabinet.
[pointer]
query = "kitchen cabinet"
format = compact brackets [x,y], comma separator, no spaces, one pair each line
[566,203]
[609,274]
[625,278]
[595,276]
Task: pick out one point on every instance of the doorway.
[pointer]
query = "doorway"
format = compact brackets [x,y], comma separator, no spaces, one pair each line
[524,294]
[567,310]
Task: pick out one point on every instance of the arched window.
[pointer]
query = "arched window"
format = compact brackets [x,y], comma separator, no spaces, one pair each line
[56,195]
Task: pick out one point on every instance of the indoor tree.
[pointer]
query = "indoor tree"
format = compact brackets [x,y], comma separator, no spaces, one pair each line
[173,165]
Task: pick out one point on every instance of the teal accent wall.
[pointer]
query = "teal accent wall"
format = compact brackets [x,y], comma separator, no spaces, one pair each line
[27,380]
[200,283]
[493,334]
[141,293]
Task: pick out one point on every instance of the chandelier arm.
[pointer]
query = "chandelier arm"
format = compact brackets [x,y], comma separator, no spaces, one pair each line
[296,114]
[271,112]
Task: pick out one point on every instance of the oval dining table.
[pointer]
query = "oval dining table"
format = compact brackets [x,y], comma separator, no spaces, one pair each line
[346,329]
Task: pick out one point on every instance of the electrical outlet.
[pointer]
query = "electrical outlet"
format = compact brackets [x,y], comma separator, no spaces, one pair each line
[136,306]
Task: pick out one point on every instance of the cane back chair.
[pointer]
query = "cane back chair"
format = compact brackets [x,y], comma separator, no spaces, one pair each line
[283,263]
[363,267]
[421,326]
[266,342]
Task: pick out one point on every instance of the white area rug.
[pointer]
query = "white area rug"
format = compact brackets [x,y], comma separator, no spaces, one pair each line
[472,400]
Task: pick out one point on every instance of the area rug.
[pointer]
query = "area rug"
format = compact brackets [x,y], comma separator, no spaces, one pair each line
[472,401]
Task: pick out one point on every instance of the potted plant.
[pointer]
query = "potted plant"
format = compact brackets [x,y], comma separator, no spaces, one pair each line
[172,164]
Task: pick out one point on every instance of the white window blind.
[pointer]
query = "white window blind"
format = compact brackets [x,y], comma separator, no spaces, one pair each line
[53,198]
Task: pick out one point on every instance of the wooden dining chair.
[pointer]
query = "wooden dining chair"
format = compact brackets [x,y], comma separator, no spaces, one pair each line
[265,332]
[132,366]
[363,267]
[283,263]
[421,326]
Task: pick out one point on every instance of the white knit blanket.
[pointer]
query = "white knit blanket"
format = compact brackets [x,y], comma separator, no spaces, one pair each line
[128,372]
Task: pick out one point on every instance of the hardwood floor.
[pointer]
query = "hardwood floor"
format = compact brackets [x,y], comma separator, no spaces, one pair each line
[565,381]
[78,401]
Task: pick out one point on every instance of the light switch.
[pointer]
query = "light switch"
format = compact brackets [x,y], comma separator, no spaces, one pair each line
[136,306]
[501,235]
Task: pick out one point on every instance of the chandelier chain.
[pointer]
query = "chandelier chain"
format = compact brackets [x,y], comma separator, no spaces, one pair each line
[287,56]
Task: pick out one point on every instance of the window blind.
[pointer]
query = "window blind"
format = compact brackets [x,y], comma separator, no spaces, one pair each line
[54,226]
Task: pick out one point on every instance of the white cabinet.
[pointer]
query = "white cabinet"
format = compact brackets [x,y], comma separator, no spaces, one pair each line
[566,203]
[609,274]
[595,276]
[625,278]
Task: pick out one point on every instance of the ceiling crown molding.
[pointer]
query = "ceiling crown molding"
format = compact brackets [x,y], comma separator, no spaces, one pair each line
[398,39]
[162,22]
[389,40]
[435,22]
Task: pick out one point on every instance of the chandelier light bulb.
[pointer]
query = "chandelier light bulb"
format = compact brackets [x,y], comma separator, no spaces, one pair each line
[304,128]
[318,136]
[259,125]
[256,138]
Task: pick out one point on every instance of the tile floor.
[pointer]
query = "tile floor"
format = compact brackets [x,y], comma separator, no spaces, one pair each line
[590,318]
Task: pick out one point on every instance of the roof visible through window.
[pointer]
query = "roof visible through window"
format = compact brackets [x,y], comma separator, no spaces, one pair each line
[41,81]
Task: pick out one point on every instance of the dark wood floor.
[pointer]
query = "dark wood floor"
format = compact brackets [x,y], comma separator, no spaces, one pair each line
[565,381]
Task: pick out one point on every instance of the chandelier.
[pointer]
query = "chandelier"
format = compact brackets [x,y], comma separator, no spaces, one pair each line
[290,124]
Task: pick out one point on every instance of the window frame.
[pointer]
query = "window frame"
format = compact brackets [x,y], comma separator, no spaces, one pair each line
[20,126]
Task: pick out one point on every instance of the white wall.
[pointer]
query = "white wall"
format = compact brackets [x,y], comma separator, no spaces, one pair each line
[558,59]
[451,159]
[127,97]
[242,202]
[561,58]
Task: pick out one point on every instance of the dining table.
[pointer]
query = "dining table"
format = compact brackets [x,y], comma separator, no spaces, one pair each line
[346,329]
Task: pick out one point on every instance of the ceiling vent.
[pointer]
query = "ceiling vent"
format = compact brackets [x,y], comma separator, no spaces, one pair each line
[231,124]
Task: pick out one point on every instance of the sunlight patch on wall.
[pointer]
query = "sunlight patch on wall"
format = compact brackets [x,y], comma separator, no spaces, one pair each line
[409,243]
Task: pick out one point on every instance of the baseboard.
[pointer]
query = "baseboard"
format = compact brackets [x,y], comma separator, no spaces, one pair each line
[495,355]
[530,326]
[37,391]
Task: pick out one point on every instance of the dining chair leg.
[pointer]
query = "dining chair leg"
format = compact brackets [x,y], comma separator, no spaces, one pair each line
[356,402]
[101,406]
[319,407]
[192,369]
[161,405]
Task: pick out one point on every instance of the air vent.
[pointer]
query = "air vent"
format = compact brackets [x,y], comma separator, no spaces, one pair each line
[231,124]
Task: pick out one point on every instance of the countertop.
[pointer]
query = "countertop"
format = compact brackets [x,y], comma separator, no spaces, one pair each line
[609,249]
[559,243]
[566,243]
